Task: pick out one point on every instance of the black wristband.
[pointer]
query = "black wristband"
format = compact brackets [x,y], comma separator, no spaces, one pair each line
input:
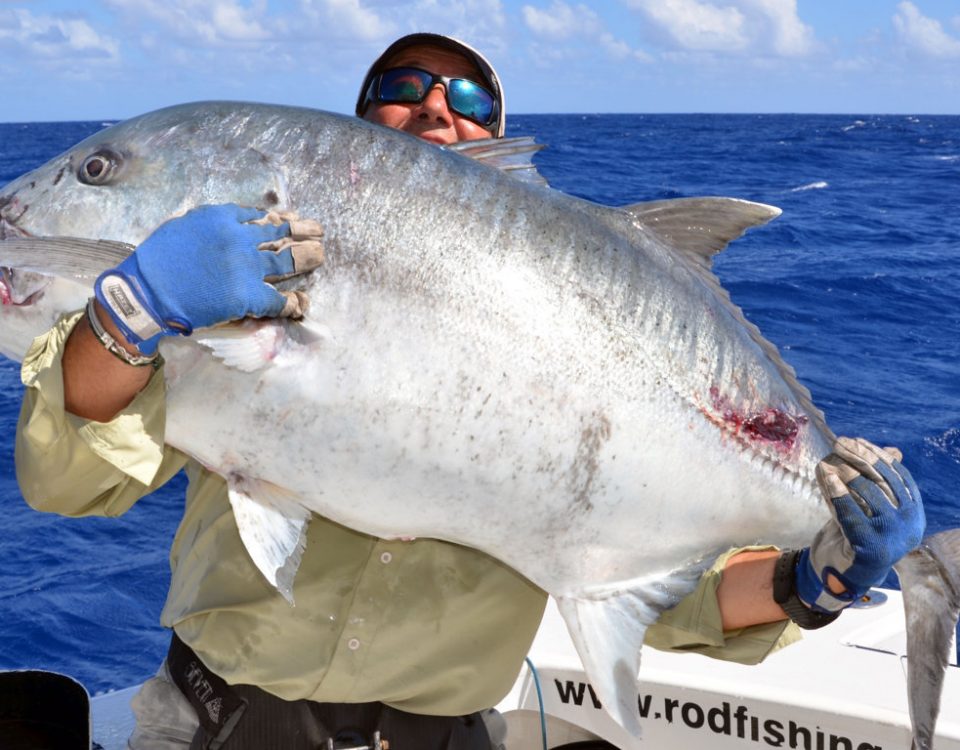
[785,594]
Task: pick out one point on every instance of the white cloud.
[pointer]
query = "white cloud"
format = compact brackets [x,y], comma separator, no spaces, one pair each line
[767,27]
[924,35]
[696,25]
[345,19]
[56,40]
[791,36]
[480,23]
[212,23]
[219,23]
[561,22]
[234,22]
[236,40]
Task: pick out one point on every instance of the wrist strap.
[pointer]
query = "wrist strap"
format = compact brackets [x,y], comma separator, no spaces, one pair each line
[785,594]
[113,346]
[121,296]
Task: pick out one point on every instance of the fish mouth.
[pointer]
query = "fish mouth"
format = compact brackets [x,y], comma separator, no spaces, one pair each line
[6,286]
[9,277]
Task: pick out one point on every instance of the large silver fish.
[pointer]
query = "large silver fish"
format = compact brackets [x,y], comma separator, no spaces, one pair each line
[563,385]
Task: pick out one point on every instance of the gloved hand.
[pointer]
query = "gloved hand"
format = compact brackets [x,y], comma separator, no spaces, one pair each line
[205,268]
[878,518]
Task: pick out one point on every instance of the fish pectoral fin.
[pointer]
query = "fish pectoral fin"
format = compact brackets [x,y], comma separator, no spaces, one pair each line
[70,258]
[247,345]
[608,627]
[273,527]
[510,155]
[930,581]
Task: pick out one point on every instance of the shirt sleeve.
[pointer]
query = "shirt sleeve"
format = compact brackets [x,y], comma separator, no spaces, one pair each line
[695,625]
[76,467]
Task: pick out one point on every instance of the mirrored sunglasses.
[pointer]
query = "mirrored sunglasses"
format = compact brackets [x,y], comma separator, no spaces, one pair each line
[411,86]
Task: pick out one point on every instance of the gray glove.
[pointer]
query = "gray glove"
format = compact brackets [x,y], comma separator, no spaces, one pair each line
[877,518]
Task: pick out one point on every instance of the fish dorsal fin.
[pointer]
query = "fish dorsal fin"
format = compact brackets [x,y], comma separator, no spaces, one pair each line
[697,229]
[608,626]
[71,258]
[510,155]
[701,227]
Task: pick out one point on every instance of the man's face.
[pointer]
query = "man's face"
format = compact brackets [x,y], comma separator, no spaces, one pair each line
[431,119]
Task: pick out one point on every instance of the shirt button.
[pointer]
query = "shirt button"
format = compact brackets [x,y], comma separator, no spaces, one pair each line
[353,644]
[386,557]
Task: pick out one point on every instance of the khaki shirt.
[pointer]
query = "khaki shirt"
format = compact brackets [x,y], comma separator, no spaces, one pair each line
[425,626]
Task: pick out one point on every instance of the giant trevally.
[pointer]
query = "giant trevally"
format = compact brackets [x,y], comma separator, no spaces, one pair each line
[563,385]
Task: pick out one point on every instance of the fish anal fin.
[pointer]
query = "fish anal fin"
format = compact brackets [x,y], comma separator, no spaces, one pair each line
[608,627]
[273,527]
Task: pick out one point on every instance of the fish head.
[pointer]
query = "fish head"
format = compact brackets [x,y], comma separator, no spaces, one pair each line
[120,184]
[124,181]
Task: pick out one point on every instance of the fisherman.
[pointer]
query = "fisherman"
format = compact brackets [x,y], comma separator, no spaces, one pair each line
[413,640]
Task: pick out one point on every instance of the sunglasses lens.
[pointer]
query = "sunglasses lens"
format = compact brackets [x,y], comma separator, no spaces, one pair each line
[404,85]
[411,85]
[470,100]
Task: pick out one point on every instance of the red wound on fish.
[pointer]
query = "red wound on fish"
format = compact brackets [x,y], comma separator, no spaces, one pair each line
[769,425]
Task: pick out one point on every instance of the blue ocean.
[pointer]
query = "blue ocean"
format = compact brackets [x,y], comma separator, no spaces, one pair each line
[858,284]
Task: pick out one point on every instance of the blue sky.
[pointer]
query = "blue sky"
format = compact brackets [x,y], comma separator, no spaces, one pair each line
[107,59]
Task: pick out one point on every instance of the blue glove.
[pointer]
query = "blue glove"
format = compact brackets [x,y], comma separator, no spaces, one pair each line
[201,269]
[878,518]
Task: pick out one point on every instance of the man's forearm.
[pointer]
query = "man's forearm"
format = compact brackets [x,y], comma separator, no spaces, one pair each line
[97,384]
[745,593]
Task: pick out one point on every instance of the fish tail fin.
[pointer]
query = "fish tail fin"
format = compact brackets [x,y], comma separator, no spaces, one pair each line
[608,627]
[930,580]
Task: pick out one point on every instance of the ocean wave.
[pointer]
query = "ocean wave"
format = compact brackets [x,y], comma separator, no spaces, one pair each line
[818,185]
[946,443]
[856,124]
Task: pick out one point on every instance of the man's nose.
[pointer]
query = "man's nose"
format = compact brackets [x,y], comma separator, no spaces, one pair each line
[434,104]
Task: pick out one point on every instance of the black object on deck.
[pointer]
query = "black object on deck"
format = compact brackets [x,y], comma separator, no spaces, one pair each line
[43,711]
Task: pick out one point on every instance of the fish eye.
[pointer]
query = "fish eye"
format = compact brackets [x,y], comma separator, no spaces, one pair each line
[99,167]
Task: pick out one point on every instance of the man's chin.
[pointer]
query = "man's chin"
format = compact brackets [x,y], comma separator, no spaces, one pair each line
[432,136]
